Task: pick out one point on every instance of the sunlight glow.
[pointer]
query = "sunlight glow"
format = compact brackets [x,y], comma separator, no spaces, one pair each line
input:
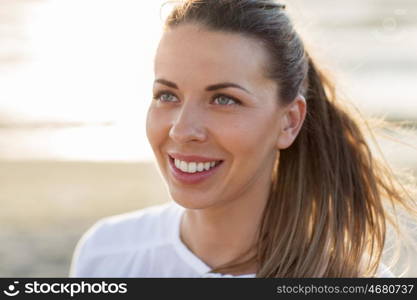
[90,61]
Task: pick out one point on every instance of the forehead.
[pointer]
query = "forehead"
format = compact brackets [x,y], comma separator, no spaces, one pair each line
[191,51]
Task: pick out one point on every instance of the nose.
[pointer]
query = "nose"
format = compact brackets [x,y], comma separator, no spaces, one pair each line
[188,125]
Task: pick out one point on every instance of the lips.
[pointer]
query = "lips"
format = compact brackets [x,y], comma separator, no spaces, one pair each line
[193,158]
[192,178]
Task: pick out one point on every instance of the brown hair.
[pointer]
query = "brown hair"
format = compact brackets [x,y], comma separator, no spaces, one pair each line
[325,215]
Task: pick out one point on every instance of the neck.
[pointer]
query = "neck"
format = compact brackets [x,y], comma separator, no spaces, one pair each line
[220,234]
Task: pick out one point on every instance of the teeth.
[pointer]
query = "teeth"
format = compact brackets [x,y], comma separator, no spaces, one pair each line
[192,167]
[200,167]
[183,166]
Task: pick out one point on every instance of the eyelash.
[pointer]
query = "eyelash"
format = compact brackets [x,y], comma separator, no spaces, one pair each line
[237,102]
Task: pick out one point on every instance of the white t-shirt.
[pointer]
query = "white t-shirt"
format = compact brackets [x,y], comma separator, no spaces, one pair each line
[143,243]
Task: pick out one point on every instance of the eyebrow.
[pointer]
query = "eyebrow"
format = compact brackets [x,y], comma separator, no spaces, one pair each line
[209,88]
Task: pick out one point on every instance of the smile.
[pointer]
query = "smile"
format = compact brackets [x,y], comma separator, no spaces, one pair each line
[193,172]
[192,167]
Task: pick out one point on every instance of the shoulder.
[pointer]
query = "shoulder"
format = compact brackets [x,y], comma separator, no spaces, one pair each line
[127,232]
[149,222]
[384,272]
[133,229]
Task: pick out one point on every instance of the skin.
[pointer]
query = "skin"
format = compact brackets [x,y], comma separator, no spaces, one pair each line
[224,211]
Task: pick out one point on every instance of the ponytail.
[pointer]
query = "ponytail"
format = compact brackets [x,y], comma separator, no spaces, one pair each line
[325,215]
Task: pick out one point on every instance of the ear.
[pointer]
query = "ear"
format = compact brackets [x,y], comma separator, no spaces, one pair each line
[291,121]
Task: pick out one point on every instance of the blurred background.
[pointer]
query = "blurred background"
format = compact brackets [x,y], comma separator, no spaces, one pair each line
[75,83]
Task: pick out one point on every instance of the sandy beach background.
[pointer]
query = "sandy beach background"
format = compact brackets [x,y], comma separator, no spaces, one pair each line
[46,206]
[72,143]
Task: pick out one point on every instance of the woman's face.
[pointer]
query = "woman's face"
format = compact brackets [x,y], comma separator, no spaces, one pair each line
[212,105]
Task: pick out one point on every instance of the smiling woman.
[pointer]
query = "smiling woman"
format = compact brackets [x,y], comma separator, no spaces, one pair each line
[203,117]
[270,175]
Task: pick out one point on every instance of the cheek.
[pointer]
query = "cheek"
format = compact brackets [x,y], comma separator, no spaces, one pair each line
[248,137]
[156,128]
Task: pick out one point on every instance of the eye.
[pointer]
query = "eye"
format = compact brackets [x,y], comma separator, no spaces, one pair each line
[225,100]
[165,97]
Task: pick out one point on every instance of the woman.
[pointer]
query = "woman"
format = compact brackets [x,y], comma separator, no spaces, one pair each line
[270,175]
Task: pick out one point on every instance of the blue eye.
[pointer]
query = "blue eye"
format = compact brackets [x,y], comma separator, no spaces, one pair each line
[225,100]
[166,97]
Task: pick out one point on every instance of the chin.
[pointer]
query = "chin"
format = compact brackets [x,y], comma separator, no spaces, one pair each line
[190,201]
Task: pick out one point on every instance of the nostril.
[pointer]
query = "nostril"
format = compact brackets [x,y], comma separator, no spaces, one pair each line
[183,133]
